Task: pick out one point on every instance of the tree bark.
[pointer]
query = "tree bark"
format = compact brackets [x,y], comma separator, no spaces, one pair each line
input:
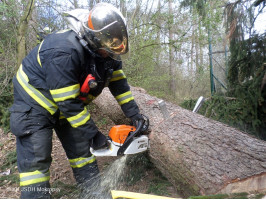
[198,155]
[22,29]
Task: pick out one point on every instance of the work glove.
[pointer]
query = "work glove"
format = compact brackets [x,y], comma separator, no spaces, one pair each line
[136,118]
[99,141]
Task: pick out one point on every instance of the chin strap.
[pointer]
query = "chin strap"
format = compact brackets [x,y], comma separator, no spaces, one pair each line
[85,44]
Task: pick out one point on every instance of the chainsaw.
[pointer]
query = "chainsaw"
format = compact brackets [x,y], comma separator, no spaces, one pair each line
[126,139]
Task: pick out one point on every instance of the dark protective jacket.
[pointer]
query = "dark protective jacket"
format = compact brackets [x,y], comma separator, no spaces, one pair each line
[51,75]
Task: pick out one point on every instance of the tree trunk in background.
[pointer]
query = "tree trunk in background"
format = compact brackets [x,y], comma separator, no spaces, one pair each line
[159,31]
[171,53]
[22,30]
[197,49]
[131,22]
[201,46]
[123,7]
[198,155]
[75,4]
[192,51]
[90,3]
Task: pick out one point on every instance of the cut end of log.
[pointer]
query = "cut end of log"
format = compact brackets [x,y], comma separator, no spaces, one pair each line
[255,183]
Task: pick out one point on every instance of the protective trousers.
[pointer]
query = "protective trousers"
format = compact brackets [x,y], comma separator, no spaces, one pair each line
[33,132]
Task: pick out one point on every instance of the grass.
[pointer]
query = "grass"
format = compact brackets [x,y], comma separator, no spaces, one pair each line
[158,186]
[242,195]
[63,190]
[10,162]
[10,179]
[217,196]
[258,196]
[137,166]
[102,122]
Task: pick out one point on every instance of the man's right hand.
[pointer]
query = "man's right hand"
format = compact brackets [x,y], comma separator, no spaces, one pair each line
[99,141]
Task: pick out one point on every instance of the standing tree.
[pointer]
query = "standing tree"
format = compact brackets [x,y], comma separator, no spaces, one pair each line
[22,30]
[171,53]
[247,63]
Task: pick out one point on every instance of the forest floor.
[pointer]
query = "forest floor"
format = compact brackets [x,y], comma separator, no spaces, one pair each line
[139,174]
[141,177]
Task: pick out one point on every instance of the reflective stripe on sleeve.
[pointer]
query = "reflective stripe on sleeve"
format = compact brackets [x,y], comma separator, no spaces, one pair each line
[30,178]
[38,54]
[80,162]
[65,93]
[79,119]
[61,116]
[118,75]
[23,80]
[62,31]
[124,98]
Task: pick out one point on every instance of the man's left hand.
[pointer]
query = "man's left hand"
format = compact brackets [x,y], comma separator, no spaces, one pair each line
[136,118]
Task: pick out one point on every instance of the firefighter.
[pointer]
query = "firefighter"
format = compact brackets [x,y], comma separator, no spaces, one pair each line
[48,96]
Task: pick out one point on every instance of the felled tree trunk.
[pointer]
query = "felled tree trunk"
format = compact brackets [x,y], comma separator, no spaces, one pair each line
[198,155]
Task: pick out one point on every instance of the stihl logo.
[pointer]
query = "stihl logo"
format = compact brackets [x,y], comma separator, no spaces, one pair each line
[142,146]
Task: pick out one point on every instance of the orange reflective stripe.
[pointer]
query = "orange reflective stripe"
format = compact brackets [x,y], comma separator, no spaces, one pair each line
[90,22]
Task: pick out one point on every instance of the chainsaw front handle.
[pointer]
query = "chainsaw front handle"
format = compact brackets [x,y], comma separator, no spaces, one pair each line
[139,129]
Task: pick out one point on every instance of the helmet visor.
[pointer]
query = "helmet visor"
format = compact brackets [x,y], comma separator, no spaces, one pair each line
[113,38]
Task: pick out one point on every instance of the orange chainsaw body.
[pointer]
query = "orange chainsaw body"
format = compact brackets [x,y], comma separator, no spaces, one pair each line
[119,133]
[125,139]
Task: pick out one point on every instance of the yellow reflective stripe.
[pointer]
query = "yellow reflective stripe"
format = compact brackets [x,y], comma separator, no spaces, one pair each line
[124,98]
[38,55]
[61,116]
[23,80]
[22,175]
[80,162]
[62,31]
[118,75]
[79,119]
[65,93]
[30,178]
[116,194]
